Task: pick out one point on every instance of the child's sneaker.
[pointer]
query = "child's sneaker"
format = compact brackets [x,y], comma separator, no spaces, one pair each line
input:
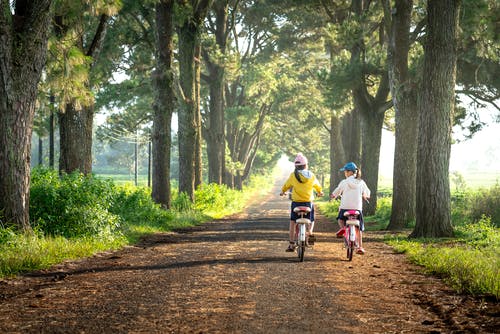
[360,251]
[340,233]
[291,247]
[311,239]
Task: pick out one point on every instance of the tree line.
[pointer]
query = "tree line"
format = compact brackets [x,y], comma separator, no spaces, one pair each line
[249,80]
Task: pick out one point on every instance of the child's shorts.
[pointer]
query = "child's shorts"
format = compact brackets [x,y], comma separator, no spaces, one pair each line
[294,216]
[343,218]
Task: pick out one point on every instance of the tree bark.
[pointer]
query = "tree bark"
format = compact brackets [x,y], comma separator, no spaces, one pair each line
[188,128]
[243,147]
[198,163]
[351,136]
[76,125]
[51,133]
[215,124]
[337,155]
[372,123]
[436,109]
[371,110]
[23,50]
[163,106]
[188,33]
[406,119]
[75,131]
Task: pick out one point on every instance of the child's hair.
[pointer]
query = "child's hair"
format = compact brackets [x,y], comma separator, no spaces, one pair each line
[358,174]
[296,172]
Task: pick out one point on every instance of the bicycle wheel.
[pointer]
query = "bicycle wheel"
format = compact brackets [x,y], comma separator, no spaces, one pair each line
[301,249]
[350,250]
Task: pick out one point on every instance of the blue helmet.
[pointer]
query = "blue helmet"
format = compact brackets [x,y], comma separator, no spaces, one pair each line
[351,166]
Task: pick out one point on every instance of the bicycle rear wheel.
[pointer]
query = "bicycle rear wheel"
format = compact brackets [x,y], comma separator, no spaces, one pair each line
[301,249]
[350,250]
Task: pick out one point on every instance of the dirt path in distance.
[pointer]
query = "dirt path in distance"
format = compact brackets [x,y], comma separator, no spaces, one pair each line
[233,276]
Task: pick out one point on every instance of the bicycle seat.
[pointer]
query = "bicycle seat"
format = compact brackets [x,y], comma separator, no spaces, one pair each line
[351,213]
[302,209]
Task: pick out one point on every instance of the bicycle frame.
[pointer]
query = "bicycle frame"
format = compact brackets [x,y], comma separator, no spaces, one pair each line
[302,226]
[351,241]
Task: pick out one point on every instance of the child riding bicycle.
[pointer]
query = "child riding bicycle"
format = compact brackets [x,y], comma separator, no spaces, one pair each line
[303,183]
[353,190]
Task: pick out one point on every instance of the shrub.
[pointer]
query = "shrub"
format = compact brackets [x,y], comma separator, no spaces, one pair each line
[216,200]
[181,202]
[487,202]
[135,206]
[471,206]
[72,205]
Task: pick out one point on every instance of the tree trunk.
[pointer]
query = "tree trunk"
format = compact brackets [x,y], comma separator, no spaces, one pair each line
[198,164]
[51,137]
[76,126]
[189,128]
[405,152]
[436,109]
[188,35]
[337,155]
[215,136]
[23,50]
[163,106]
[75,131]
[243,146]
[372,123]
[40,151]
[351,136]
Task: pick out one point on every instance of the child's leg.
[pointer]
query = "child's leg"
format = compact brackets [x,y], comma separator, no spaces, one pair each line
[311,227]
[341,231]
[292,231]
[359,237]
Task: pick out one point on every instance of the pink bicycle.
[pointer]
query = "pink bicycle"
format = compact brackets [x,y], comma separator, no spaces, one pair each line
[351,232]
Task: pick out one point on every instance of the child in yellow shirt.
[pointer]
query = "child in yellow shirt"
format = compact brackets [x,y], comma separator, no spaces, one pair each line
[303,183]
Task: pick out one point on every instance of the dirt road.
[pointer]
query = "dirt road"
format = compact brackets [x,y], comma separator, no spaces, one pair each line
[233,276]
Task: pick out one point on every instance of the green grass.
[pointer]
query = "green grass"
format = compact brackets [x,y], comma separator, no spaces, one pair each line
[132,206]
[469,264]
[125,179]
[28,252]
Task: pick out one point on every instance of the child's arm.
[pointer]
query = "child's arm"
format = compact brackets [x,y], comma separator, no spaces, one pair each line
[286,186]
[318,188]
[336,192]
[366,191]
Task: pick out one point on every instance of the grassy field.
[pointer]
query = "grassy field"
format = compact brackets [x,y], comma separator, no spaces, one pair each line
[471,180]
[122,179]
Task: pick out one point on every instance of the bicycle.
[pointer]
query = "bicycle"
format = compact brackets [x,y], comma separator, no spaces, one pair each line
[351,232]
[302,226]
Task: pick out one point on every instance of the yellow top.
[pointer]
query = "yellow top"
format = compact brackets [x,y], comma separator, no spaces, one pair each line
[302,192]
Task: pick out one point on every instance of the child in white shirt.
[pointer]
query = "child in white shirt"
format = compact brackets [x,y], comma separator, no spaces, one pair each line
[353,190]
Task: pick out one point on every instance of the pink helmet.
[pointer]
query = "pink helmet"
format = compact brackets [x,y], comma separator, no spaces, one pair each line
[300,160]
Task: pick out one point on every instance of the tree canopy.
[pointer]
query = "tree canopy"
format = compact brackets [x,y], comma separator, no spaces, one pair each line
[249,81]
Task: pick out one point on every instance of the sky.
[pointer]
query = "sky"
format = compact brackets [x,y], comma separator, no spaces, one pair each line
[482,152]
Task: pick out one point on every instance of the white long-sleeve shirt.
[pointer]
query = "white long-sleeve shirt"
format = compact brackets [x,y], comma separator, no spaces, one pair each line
[352,191]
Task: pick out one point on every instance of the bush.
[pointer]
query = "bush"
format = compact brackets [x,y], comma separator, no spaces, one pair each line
[481,234]
[72,205]
[135,206]
[471,206]
[216,200]
[487,202]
